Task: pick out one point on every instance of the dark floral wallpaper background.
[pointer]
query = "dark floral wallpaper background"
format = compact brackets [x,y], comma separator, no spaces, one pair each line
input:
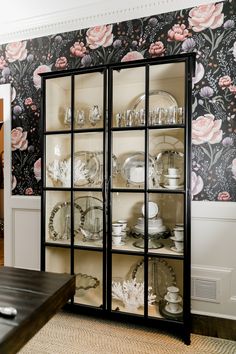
[208,30]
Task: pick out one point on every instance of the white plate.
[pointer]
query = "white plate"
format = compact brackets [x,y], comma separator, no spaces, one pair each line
[152,210]
[173,187]
[172,176]
[167,308]
[175,250]
[179,299]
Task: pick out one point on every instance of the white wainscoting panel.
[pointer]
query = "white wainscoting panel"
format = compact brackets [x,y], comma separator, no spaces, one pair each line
[214,254]
[26,232]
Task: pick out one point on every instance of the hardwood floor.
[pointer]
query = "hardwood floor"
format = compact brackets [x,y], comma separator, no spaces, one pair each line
[1,251]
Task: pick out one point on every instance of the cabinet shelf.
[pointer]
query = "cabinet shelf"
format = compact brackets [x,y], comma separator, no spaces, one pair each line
[115,201]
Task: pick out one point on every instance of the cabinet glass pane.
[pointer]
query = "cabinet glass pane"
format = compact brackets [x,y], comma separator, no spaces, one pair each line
[166,147]
[128,87]
[58,162]
[88,219]
[165,279]
[58,217]
[127,295]
[128,159]
[57,260]
[88,159]
[127,221]
[166,94]
[165,223]
[88,268]
[58,103]
[88,97]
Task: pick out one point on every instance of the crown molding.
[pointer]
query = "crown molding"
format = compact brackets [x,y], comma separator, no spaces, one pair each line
[93,13]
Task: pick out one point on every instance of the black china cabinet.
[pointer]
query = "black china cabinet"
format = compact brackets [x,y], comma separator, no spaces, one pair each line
[116,199]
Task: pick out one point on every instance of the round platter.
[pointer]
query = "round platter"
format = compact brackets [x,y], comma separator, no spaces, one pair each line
[160,274]
[133,168]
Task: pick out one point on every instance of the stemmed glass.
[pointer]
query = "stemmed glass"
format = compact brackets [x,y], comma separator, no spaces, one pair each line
[67,116]
[80,118]
[94,115]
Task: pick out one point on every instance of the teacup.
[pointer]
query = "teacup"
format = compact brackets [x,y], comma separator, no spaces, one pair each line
[116,228]
[116,240]
[173,182]
[173,171]
[179,234]
[179,245]
[173,307]
[173,293]
[123,223]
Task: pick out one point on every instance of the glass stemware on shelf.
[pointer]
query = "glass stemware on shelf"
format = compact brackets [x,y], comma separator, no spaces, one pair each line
[81,118]
[94,115]
[157,116]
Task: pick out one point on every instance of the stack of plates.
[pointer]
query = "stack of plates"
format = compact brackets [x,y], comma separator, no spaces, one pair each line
[154,226]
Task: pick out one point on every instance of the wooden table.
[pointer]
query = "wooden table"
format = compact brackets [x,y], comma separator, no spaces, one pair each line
[37,296]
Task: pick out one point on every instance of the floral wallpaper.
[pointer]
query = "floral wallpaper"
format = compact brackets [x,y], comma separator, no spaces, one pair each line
[208,30]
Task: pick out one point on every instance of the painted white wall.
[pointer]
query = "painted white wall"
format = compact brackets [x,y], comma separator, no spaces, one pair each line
[213,223]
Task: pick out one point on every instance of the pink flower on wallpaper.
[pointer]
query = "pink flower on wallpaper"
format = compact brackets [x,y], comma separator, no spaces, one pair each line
[78,49]
[3,62]
[18,139]
[16,51]
[206,16]
[234,168]
[225,81]
[99,36]
[37,169]
[223,196]
[29,191]
[178,33]
[28,101]
[157,49]
[39,70]
[232,89]
[132,56]
[205,129]
[61,63]
[13,182]
[197,184]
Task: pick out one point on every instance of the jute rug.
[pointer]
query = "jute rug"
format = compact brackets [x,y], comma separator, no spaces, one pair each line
[76,334]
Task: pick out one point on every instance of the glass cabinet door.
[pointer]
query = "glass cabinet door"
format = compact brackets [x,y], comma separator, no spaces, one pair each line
[147,228]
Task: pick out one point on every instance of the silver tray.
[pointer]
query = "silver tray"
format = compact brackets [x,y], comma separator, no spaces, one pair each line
[160,276]
[92,226]
[133,168]
[85,282]
[157,98]
[59,221]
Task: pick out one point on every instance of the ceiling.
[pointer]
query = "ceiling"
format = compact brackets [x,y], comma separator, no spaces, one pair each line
[28,19]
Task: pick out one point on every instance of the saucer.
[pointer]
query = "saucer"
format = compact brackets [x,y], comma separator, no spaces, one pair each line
[179,299]
[172,176]
[122,243]
[167,308]
[173,187]
[175,239]
[175,250]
